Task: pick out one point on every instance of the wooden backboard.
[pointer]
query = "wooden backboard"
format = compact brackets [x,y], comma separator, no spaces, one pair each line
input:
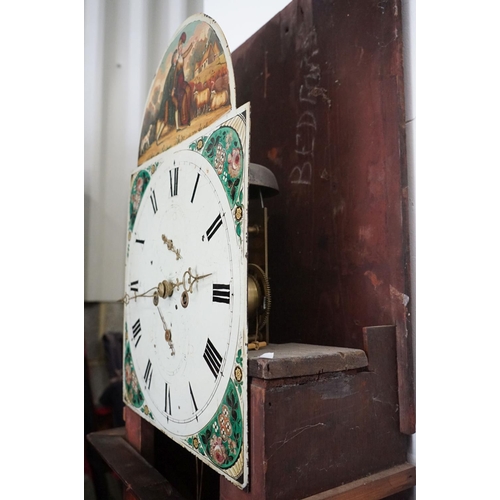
[325,82]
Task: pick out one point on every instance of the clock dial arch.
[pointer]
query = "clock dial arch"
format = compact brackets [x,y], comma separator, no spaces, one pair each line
[186,295]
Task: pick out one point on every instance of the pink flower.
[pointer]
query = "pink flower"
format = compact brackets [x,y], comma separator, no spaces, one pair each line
[217,450]
[234,160]
[128,374]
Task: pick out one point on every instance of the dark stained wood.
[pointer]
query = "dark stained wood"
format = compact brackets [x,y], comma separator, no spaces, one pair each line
[298,360]
[325,82]
[140,479]
[308,435]
[311,434]
[139,433]
[374,487]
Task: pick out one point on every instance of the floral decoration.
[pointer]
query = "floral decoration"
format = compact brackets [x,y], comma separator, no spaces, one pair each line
[238,374]
[220,158]
[221,439]
[139,185]
[224,151]
[132,390]
[234,161]
[229,139]
[239,358]
[218,450]
[198,144]
[145,409]
[238,213]
[224,423]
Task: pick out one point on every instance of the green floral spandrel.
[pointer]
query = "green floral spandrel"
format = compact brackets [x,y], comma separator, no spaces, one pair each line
[224,151]
[137,191]
[132,389]
[221,439]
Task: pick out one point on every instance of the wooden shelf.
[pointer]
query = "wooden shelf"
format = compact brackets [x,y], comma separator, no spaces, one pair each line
[373,487]
[135,472]
[300,360]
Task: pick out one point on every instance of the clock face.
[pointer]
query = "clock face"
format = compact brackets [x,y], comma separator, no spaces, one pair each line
[186,295]
[184,344]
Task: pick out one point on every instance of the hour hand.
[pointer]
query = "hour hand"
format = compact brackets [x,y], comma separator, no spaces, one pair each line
[168,332]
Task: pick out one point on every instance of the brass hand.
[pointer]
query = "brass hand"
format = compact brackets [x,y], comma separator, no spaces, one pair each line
[191,280]
[149,293]
[168,333]
[166,288]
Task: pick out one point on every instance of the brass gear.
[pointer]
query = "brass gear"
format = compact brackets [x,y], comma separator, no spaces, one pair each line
[262,282]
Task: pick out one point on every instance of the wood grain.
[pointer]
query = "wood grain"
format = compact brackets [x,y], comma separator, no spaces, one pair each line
[325,83]
[312,433]
[299,360]
[374,487]
[140,479]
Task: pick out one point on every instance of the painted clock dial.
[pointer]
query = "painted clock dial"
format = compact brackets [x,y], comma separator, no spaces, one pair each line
[186,294]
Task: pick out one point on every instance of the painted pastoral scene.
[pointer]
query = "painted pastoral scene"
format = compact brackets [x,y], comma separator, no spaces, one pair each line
[193,87]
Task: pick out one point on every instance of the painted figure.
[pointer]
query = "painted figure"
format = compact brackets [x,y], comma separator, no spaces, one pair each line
[182,93]
[167,108]
[193,80]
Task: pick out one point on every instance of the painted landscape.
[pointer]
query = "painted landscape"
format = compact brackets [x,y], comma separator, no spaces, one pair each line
[192,88]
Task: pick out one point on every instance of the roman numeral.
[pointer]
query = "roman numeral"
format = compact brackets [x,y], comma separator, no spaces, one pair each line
[213,358]
[133,286]
[195,186]
[168,405]
[213,228]
[192,398]
[221,293]
[174,181]
[140,241]
[152,197]
[136,332]
[148,374]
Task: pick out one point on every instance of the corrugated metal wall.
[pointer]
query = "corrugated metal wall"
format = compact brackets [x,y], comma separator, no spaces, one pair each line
[124,42]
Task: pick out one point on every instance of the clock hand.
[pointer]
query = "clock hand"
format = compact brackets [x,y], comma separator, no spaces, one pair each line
[191,280]
[127,298]
[188,288]
[166,288]
[168,333]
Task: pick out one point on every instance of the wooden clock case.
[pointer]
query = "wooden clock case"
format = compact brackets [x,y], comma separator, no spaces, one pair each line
[325,82]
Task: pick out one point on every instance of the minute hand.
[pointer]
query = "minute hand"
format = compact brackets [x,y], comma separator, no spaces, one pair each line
[191,280]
